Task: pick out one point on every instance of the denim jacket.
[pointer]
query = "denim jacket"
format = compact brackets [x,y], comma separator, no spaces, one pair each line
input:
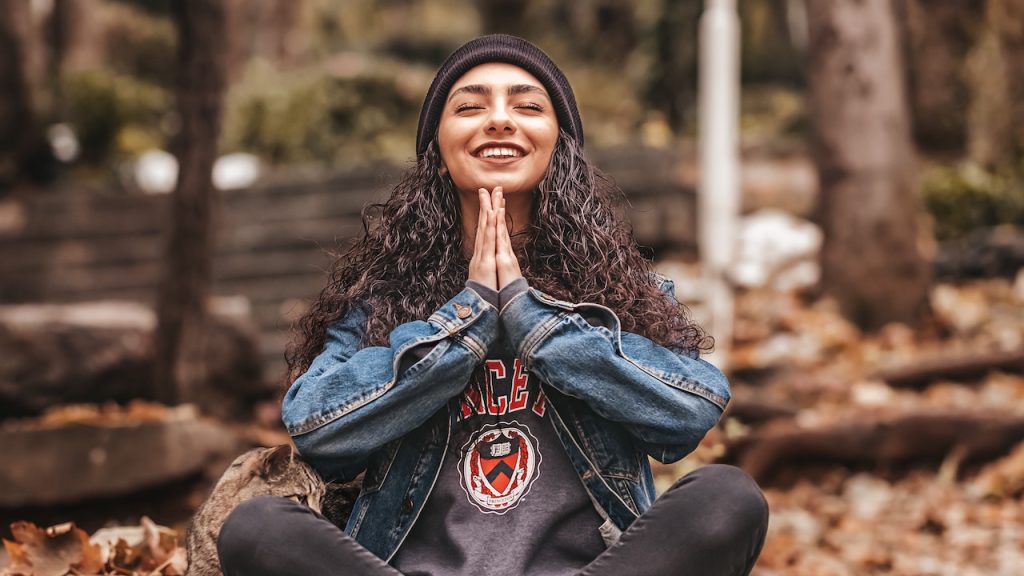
[615,398]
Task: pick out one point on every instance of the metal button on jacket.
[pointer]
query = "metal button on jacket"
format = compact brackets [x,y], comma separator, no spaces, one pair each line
[462,311]
[407,505]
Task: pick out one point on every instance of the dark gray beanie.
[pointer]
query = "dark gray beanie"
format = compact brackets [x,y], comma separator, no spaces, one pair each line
[498,48]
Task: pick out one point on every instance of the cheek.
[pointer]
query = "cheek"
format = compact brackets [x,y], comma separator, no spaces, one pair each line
[449,154]
[545,155]
[453,149]
[546,137]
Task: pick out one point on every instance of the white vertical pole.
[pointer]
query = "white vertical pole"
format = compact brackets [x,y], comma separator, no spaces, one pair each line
[718,109]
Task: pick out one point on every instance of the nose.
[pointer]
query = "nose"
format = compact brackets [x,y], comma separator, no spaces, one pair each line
[500,121]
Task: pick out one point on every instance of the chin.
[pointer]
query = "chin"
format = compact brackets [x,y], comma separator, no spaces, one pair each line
[506,187]
[512,186]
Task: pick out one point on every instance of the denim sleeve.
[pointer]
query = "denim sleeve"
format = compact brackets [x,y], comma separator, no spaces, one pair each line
[350,402]
[666,398]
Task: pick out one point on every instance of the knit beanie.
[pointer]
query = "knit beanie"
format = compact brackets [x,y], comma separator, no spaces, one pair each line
[498,48]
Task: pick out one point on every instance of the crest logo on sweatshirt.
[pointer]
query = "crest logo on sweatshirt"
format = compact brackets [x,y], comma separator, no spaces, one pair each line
[498,466]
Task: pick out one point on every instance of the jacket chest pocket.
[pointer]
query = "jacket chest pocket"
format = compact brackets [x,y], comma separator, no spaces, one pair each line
[609,447]
[378,467]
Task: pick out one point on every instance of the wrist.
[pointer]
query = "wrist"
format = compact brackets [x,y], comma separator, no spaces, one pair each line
[511,290]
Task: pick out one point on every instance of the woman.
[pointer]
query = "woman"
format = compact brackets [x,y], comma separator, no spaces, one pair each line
[499,360]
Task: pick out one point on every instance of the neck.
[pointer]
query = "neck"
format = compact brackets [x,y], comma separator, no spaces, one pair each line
[518,209]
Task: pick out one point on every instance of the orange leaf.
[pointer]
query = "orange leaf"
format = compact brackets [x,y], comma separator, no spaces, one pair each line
[159,543]
[55,550]
[92,556]
[124,555]
[19,559]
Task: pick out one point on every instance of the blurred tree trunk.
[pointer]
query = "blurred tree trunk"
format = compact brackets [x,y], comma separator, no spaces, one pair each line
[182,299]
[74,35]
[939,36]
[16,116]
[74,47]
[869,204]
[672,86]
[995,71]
[1012,34]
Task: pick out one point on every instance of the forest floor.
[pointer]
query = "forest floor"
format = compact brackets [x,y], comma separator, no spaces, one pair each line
[894,453]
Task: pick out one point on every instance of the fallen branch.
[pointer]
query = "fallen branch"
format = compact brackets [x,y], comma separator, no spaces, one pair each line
[884,443]
[756,410]
[955,367]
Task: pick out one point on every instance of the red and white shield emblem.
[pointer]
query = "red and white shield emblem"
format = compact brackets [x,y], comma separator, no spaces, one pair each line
[498,466]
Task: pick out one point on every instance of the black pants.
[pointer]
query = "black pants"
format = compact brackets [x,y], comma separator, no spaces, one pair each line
[712,521]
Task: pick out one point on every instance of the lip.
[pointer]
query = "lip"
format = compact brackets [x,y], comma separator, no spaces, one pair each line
[495,161]
[499,144]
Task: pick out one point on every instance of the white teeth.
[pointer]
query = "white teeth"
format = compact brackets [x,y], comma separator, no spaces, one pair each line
[499,153]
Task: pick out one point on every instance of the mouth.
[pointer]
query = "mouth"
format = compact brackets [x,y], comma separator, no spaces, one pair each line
[499,152]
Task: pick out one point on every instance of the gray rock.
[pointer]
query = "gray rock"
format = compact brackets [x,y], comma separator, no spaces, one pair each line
[53,354]
[47,464]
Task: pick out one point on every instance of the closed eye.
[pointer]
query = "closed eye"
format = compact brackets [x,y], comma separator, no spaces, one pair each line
[531,106]
[528,106]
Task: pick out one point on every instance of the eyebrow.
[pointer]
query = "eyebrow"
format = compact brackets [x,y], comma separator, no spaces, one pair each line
[485,90]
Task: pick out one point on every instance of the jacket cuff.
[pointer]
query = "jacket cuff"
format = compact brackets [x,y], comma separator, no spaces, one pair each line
[469,318]
[510,291]
[486,292]
[530,316]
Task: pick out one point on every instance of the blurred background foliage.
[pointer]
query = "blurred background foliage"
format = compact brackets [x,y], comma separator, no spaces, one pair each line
[964,197]
[336,84]
[343,83]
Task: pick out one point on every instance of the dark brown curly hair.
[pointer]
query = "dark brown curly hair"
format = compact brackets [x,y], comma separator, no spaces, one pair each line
[578,247]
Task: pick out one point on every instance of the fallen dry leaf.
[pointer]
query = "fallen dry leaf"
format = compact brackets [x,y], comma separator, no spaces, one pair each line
[148,549]
[1003,478]
[54,551]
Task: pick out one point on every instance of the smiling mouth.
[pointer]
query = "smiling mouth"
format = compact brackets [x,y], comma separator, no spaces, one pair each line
[499,152]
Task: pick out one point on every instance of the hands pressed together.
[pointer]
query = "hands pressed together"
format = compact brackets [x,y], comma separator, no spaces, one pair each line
[493,264]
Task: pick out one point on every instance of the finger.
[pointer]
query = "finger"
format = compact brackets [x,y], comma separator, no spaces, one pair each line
[489,230]
[483,199]
[502,233]
[507,263]
[499,204]
[499,210]
[504,237]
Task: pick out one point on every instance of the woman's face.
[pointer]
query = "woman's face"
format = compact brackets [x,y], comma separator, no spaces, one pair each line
[498,128]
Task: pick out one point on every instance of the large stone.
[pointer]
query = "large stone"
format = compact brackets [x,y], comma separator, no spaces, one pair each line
[53,354]
[68,459]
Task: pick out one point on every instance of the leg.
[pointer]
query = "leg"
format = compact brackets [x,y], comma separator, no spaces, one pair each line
[274,536]
[712,522]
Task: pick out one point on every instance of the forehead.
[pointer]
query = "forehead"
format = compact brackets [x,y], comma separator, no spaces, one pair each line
[496,74]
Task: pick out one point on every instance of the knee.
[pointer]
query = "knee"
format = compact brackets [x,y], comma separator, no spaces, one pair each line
[733,482]
[737,512]
[245,527]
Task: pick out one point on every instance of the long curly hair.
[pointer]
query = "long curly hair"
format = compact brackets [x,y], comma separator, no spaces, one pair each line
[578,247]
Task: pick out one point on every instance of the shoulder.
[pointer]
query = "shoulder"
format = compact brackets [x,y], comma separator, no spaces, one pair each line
[351,321]
[664,283]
